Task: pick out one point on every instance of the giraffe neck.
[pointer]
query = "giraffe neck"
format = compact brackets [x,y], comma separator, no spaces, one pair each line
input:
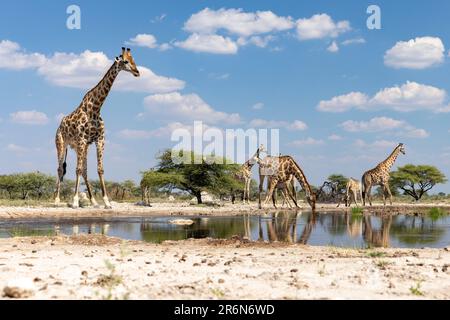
[252,161]
[302,179]
[389,162]
[94,99]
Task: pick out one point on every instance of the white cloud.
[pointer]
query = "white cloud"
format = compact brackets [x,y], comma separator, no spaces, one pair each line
[161,132]
[334,137]
[237,22]
[258,106]
[373,125]
[82,70]
[343,103]
[389,126]
[377,144]
[296,125]
[306,142]
[85,70]
[418,53]
[353,41]
[411,96]
[143,40]
[321,26]
[32,117]
[159,18]
[13,57]
[16,148]
[333,47]
[135,134]
[187,107]
[416,133]
[209,43]
[258,41]
[148,41]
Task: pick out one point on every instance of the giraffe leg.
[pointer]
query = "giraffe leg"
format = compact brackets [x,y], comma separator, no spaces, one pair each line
[271,188]
[355,197]
[86,182]
[293,194]
[81,153]
[260,190]
[245,191]
[248,190]
[388,189]
[100,149]
[369,194]
[61,150]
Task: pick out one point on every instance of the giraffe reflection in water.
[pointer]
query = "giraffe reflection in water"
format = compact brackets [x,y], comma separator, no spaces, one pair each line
[377,237]
[284,227]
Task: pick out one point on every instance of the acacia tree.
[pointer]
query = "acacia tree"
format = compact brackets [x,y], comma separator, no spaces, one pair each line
[197,174]
[415,181]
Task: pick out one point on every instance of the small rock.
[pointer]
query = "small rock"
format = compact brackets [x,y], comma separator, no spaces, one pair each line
[19,288]
[294,270]
[221,281]
[34,251]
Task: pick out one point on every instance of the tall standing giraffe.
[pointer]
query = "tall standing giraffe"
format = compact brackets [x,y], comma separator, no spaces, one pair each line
[245,172]
[280,169]
[85,126]
[380,176]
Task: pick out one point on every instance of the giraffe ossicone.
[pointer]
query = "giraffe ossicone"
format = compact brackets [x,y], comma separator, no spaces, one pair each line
[85,126]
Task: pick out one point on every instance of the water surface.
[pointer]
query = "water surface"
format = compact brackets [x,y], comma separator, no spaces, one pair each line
[337,229]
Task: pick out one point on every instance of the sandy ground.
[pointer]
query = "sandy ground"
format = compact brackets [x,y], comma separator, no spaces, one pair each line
[98,267]
[177,208]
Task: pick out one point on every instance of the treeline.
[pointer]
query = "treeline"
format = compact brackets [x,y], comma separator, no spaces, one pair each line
[40,186]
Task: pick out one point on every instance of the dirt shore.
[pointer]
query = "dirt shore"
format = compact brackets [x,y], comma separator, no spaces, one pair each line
[185,209]
[98,267]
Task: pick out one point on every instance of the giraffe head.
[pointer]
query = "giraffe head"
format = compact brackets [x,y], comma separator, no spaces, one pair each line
[256,157]
[126,62]
[311,198]
[401,147]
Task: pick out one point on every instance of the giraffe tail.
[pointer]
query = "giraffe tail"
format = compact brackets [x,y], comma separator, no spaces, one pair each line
[64,167]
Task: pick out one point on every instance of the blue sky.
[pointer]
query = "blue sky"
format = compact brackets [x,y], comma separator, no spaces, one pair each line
[341,94]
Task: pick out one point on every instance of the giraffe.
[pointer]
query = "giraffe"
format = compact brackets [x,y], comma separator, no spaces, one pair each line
[353,186]
[283,186]
[280,169]
[245,173]
[380,176]
[85,126]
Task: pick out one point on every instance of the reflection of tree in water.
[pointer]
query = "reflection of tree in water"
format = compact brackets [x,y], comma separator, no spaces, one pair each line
[413,230]
[377,237]
[221,228]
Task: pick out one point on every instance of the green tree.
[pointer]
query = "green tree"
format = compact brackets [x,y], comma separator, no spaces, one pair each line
[416,181]
[194,175]
[8,183]
[339,181]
